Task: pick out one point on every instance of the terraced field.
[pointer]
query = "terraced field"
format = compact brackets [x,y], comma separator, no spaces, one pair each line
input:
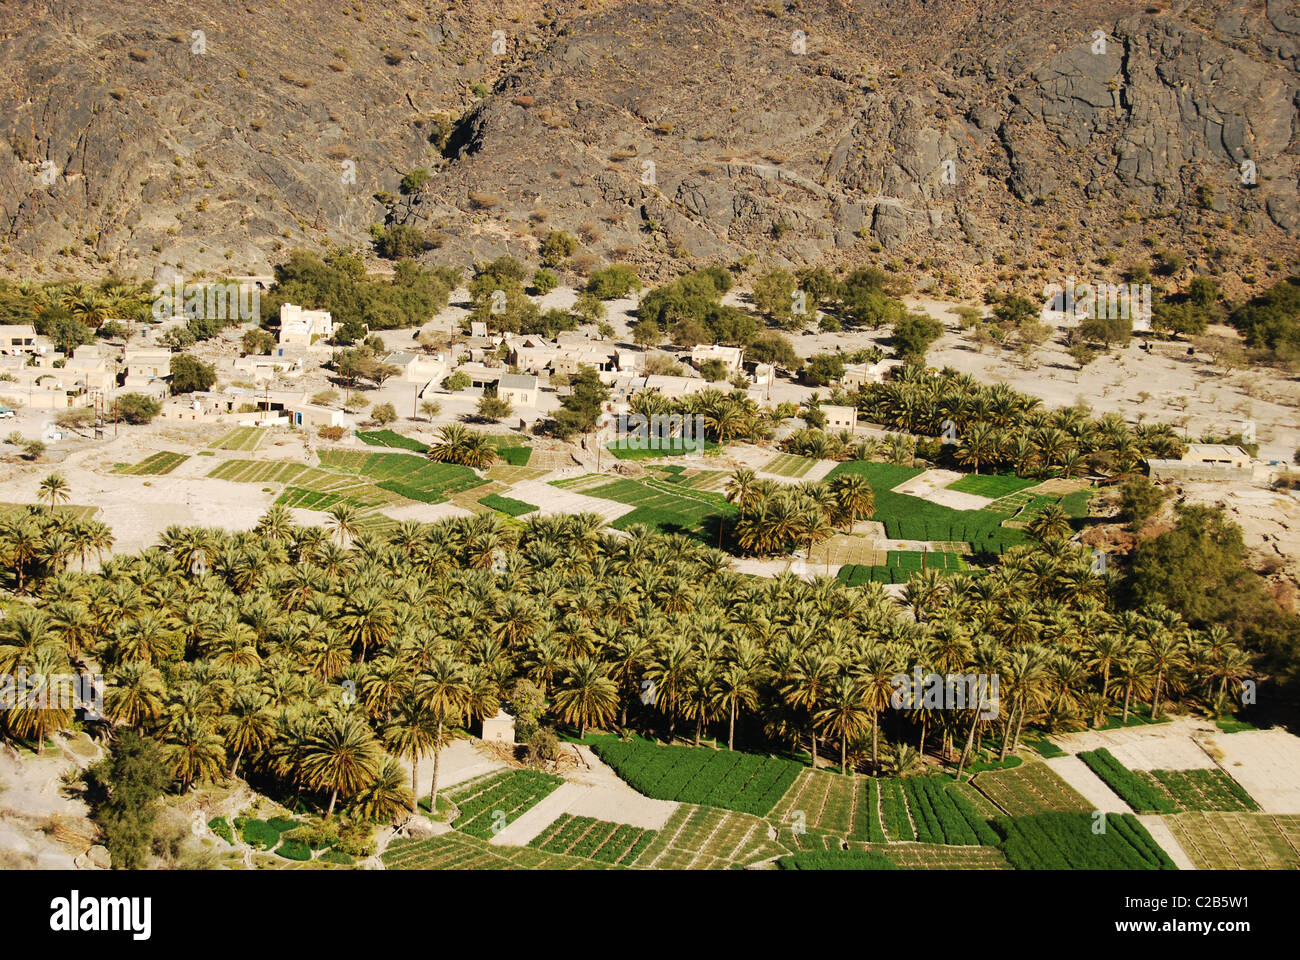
[789,465]
[662,506]
[991,485]
[455,851]
[619,844]
[1238,841]
[487,804]
[1199,790]
[1028,789]
[929,856]
[818,801]
[155,465]
[899,566]
[76,511]
[245,439]
[706,838]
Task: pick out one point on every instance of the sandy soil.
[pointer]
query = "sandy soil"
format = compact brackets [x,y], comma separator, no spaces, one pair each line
[1172,746]
[592,789]
[932,485]
[32,799]
[1266,763]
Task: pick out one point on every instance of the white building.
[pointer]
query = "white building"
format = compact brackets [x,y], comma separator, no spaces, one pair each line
[304,327]
[731,356]
[839,418]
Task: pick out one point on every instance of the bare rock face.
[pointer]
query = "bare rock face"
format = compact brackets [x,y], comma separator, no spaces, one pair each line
[217,136]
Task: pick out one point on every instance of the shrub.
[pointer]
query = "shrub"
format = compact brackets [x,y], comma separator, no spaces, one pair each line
[294,850]
[332,433]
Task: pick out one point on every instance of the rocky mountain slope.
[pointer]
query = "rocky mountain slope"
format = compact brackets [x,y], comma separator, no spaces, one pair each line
[959,139]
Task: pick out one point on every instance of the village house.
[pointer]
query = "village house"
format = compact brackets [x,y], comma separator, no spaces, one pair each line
[92,367]
[304,327]
[858,375]
[839,418]
[140,366]
[418,367]
[1211,461]
[704,352]
[20,338]
[265,367]
[520,389]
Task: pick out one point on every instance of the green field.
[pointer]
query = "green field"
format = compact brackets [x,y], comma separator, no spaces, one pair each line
[507,505]
[155,464]
[991,485]
[512,449]
[675,447]
[911,518]
[1029,788]
[708,838]
[245,439]
[76,511]
[789,465]
[1067,841]
[1206,790]
[1238,841]
[662,506]
[489,803]
[388,438]
[455,851]
[745,782]
[612,843]
[900,566]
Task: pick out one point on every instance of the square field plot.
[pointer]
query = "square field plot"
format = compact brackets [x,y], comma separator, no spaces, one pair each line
[991,485]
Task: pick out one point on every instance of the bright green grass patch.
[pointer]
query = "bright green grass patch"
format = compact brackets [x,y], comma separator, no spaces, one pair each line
[991,485]
[388,438]
[1233,725]
[911,518]
[1046,748]
[729,779]
[1211,790]
[240,438]
[789,465]
[592,839]
[664,507]
[221,827]
[507,505]
[675,447]
[511,449]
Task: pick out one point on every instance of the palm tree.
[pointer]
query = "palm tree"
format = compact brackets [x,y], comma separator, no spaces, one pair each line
[1050,522]
[443,689]
[344,518]
[586,696]
[844,714]
[413,733]
[385,798]
[54,490]
[341,757]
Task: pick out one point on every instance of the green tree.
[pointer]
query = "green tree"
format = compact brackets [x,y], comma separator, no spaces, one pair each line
[190,374]
[123,792]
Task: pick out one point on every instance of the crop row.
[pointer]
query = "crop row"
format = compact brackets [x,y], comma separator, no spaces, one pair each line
[489,805]
[1141,795]
[843,860]
[1069,841]
[943,816]
[728,779]
[613,843]
[1202,789]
